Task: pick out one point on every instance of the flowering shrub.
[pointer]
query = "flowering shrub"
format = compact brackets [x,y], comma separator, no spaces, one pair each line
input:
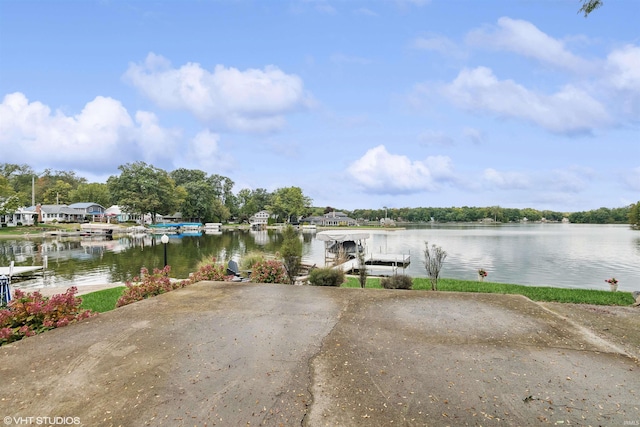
[215,272]
[149,285]
[31,313]
[268,271]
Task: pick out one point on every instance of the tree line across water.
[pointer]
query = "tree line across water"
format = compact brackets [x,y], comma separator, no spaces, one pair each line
[142,188]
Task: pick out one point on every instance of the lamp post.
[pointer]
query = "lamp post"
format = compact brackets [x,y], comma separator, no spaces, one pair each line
[165,239]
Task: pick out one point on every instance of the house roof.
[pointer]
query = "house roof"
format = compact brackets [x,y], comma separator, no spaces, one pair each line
[84,205]
[52,209]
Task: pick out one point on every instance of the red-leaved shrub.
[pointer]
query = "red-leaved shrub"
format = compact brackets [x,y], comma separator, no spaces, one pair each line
[268,271]
[215,272]
[31,313]
[158,282]
[148,285]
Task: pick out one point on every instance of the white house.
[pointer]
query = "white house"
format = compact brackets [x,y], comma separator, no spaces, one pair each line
[260,218]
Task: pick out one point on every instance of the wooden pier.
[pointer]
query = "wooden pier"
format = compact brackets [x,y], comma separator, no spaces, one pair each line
[19,272]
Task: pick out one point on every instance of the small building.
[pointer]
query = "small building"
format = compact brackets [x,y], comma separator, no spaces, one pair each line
[56,213]
[93,210]
[260,218]
[331,219]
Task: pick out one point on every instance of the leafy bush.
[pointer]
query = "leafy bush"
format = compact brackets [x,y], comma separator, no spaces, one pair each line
[291,251]
[4,224]
[326,276]
[400,281]
[31,313]
[268,271]
[148,285]
[251,258]
[209,271]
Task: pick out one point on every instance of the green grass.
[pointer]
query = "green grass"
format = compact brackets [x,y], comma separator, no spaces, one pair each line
[535,293]
[106,299]
[101,301]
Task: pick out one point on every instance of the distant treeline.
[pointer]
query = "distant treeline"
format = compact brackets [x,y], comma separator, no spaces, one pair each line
[496,213]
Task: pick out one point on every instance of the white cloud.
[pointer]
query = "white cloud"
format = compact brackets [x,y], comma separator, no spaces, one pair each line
[203,152]
[623,66]
[379,171]
[506,180]
[251,100]
[622,73]
[101,137]
[568,111]
[524,38]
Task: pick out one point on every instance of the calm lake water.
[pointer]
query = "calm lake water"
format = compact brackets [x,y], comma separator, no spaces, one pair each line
[562,255]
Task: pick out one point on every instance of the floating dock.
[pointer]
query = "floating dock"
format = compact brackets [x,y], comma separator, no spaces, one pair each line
[377,264]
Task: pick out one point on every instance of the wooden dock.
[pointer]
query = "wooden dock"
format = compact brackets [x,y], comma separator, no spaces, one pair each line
[19,270]
[22,270]
[377,264]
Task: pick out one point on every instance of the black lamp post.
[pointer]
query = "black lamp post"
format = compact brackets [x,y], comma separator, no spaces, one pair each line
[165,239]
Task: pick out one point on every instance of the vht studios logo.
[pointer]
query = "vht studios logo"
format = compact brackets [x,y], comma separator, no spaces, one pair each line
[49,421]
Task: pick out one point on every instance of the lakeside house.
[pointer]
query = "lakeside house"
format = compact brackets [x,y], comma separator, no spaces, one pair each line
[330,219]
[259,218]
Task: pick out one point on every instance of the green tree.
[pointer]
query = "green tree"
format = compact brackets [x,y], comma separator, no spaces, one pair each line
[220,212]
[251,201]
[634,215]
[589,6]
[20,178]
[200,194]
[58,193]
[291,252]
[199,201]
[9,200]
[142,188]
[94,192]
[288,202]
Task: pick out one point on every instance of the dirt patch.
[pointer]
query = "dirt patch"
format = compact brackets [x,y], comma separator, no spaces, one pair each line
[618,325]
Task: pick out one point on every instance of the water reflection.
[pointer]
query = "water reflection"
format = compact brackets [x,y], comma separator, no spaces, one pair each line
[556,255]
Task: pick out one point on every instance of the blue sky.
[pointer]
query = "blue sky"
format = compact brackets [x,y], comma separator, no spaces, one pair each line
[362,104]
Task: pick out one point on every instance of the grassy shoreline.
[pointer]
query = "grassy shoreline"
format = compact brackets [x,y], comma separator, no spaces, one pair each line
[105,300]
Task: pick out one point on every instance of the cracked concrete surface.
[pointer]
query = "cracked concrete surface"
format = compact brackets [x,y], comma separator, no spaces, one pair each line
[277,355]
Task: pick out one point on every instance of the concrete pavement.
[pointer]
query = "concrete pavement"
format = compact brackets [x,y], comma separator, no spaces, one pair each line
[231,354]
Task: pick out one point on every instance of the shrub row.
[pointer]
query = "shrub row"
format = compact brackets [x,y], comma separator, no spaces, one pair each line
[31,313]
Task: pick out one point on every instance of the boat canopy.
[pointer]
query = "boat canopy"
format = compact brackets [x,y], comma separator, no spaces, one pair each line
[341,236]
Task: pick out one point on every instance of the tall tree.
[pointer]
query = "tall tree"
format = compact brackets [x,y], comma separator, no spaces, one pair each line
[291,251]
[9,200]
[288,202]
[94,192]
[20,178]
[57,194]
[634,215]
[142,188]
[199,202]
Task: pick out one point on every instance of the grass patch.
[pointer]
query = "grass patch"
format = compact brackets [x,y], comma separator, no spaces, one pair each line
[535,293]
[101,301]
